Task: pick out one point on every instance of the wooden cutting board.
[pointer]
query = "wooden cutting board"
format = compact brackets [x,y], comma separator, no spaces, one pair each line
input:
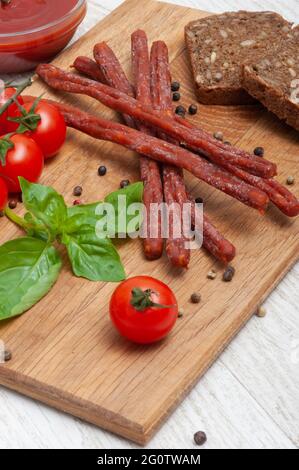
[65,350]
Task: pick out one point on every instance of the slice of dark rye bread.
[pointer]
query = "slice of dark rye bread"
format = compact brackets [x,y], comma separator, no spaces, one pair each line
[274,80]
[218,45]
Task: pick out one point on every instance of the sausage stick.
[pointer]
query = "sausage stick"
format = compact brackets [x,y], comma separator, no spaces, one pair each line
[173,179]
[150,170]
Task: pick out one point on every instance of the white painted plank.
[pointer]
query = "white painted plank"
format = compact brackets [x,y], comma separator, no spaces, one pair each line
[249,398]
[265,358]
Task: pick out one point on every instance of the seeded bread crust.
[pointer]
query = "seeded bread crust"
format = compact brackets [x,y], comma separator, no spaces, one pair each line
[274,80]
[219,45]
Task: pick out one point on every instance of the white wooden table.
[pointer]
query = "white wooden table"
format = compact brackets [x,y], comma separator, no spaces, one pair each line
[250,396]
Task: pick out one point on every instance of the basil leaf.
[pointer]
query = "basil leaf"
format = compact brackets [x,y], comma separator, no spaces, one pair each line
[36,230]
[28,269]
[133,193]
[90,214]
[92,257]
[89,210]
[45,204]
[120,201]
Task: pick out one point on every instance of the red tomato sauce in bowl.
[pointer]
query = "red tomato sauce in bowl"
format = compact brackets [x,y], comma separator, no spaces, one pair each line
[34,31]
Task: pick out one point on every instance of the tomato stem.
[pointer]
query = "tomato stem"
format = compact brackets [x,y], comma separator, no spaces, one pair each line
[19,89]
[5,145]
[141,300]
[29,120]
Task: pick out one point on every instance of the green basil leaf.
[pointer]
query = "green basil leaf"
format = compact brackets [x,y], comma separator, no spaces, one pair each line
[91,214]
[89,210]
[36,229]
[92,257]
[45,204]
[121,200]
[133,192]
[28,269]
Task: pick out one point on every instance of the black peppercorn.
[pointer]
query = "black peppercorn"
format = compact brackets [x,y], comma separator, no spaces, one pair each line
[259,151]
[102,170]
[12,203]
[124,183]
[192,109]
[77,191]
[176,96]
[7,355]
[175,86]
[199,200]
[228,274]
[1,214]
[195,298]
[180,110]
[200,438]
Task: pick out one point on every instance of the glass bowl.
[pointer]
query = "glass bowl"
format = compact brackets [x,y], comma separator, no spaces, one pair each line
[23,50]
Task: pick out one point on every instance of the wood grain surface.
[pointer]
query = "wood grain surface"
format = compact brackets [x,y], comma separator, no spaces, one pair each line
[65,352]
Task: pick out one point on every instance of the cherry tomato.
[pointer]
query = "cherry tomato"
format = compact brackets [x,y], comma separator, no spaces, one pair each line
[24,159]
[12,110]
[143,309]
[3,194]
[51,129]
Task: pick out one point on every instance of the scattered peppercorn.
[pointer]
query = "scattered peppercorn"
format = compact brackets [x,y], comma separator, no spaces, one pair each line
[7,355]
[180,110]
[200,438]
[1,214]
[211,274]
[195,298]
[228,274]
[12,203]
[192,109]
[180,313]
[199,200]
[218,135]
[261,312]
[76,202]
[124,183]
[102,170]
[77,191]
[176,96]
[175,86]
[259,151]
[226,142]
[290,180]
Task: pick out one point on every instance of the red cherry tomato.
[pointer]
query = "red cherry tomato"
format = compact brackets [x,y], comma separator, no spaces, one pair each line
[24,159]
[3,194]
[51,129]
[11,111]
[146,325]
